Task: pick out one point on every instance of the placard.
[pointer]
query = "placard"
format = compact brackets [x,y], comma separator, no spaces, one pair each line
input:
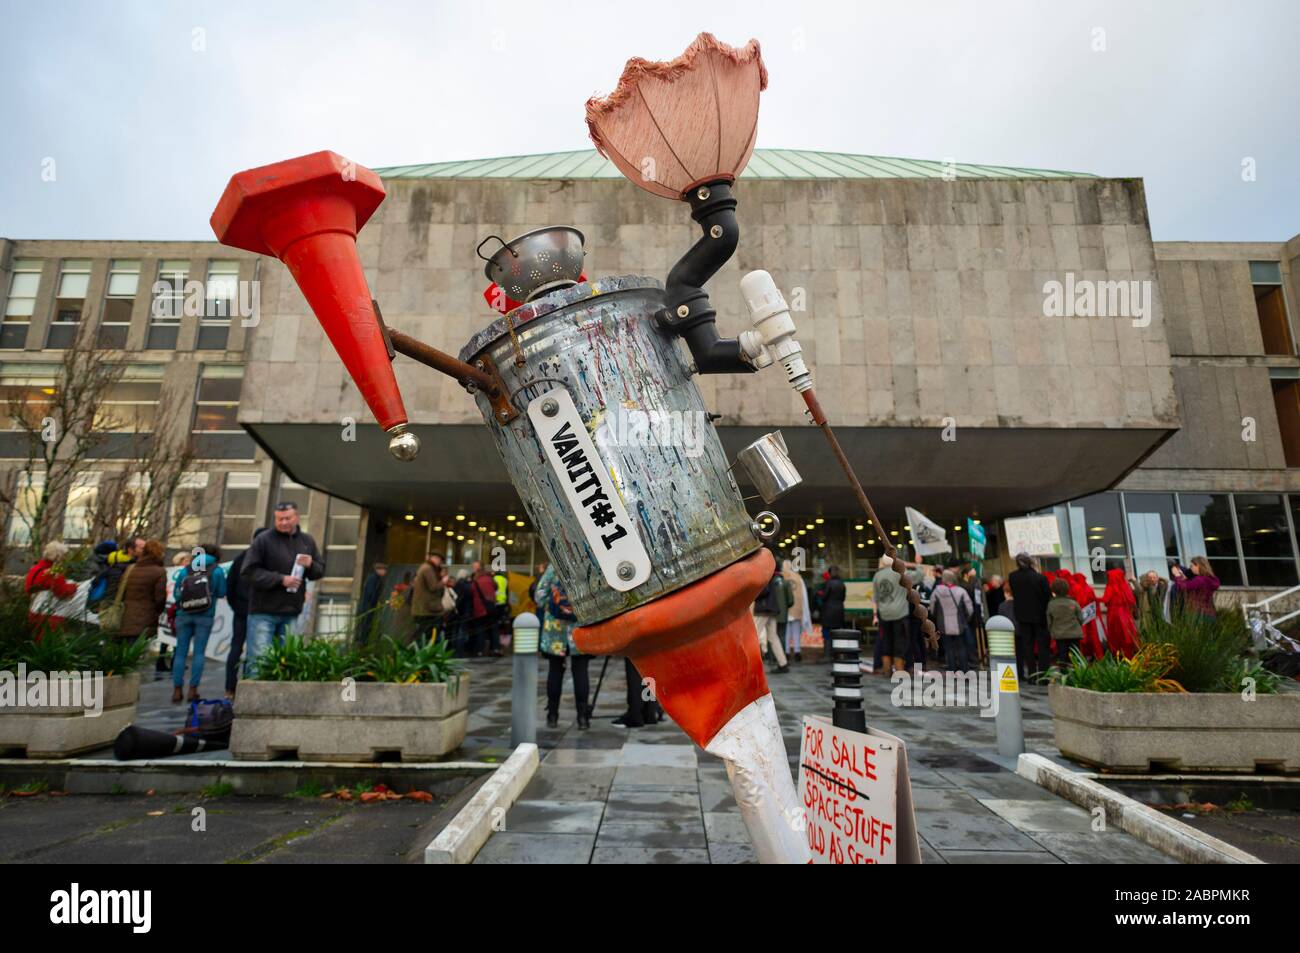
[857,796]
[859,595]
[1036,535]
[978,539]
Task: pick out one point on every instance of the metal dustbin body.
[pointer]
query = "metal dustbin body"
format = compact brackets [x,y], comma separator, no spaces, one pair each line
[646,418]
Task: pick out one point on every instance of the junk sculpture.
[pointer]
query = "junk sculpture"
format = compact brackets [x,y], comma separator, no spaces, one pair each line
[654,546]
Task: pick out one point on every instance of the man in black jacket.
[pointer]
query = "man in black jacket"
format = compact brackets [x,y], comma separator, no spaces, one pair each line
[237,596]
[371,592]
[1031,593]
[276,569]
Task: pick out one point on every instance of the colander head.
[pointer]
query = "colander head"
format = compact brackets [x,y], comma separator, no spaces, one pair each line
[536,262]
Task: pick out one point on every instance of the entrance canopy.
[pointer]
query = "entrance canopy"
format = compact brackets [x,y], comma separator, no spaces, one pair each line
[984,473]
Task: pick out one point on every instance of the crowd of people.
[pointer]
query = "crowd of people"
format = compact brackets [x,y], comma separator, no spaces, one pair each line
[127,594]
[471,610]
[1051,611]
[1056,611]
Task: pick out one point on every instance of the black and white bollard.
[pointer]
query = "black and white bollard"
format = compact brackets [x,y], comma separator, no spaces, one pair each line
[523,690]
[846,680]
[1003,680]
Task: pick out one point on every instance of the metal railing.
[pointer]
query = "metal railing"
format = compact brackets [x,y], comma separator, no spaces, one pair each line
[1262,608]
[1266,634]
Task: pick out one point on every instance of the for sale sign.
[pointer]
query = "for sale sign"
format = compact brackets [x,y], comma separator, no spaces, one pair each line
[857,796]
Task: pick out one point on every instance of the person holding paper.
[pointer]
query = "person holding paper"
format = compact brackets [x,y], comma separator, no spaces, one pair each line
[276,568]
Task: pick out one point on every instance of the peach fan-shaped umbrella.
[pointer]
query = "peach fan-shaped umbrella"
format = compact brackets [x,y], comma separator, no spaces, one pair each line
[672,126]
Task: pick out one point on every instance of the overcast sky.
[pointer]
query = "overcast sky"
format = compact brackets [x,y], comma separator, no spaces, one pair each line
[147,108]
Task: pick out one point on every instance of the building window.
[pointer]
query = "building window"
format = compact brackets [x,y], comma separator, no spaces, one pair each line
[119,300]
[217,434]
[1206,524]
[341,539]
[25,394]
[29,489]
[333,617]
[1265,540]
[131,405]
[1097,528]
[23,285]
[168,304]
[221,296]
[1286,401]
[239,512]
[1153,532]
[80,506]
[185,516]
[1274,328]
[70,300]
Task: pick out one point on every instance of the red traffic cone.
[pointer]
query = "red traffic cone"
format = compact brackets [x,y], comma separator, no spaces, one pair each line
[307,212]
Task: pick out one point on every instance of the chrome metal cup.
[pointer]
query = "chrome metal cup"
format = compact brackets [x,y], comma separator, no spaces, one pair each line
[766,462]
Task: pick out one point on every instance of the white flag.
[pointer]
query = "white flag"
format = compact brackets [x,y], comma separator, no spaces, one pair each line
[928,537]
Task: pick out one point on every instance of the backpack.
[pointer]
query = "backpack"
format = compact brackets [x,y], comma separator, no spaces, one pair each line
[210,719]
[963,616]
[766,603]
[111,615]
[195,596]
[105,584]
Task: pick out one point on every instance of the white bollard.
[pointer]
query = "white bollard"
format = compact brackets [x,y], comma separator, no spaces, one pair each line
[1005,681]
[523,690]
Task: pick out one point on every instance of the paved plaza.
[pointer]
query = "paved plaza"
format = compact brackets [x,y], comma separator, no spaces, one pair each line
[613,795]
[606,795]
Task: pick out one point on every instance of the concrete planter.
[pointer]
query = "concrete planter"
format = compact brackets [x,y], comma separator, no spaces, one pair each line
[49,732]
[1123,731]
[313,721]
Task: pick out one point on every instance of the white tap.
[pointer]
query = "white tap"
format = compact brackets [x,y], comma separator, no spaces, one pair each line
[774,325]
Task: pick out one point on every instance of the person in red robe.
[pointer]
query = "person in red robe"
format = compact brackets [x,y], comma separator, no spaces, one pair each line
[1081,592]
[43,576]
[1121,630]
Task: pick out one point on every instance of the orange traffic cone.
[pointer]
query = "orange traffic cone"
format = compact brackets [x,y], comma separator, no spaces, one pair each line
[307,212]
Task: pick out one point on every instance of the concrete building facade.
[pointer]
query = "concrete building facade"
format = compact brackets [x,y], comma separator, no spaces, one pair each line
[1152,401]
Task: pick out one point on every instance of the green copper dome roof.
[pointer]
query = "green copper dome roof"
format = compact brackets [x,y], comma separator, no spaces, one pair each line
[763,164]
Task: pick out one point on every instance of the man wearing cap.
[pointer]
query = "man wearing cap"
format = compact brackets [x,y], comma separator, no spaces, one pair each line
[426,598]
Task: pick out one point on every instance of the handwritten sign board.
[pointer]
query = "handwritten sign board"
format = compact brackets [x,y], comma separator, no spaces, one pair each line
[857,796]
[1036,535]
[858,595]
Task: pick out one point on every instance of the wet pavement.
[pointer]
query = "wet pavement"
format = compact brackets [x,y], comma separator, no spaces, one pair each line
[605,795]
[649,795]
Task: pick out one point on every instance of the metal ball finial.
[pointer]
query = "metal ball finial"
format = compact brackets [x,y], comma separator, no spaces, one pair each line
[402,444]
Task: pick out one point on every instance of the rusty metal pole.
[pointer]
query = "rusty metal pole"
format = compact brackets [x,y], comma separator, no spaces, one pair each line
[899,566]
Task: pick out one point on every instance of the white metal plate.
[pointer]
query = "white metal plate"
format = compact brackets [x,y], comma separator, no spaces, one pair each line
[595,505]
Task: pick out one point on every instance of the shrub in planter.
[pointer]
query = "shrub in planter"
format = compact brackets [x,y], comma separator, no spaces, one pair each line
[1189,700]
[326,701]
[70,650]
